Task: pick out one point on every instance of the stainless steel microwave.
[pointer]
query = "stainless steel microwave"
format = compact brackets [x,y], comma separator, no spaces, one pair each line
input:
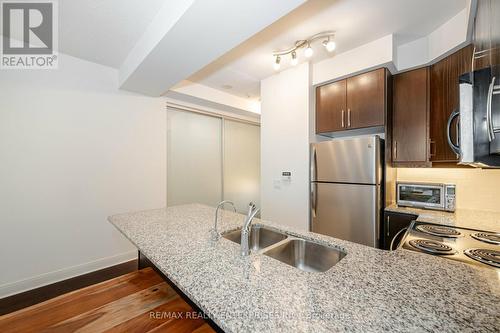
[478,130]
[427,196]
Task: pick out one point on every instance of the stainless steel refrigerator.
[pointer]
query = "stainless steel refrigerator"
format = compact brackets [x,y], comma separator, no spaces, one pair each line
[346,189]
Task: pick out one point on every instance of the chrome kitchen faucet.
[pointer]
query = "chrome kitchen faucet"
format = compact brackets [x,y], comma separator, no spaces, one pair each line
[214,232]
[245,231]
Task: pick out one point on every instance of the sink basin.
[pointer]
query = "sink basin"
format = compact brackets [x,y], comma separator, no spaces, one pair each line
[260,237]
[306,255]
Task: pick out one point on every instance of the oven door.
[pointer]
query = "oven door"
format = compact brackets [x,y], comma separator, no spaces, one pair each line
[428,196]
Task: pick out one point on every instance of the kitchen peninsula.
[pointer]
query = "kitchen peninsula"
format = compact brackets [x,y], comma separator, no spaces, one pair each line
[367,290]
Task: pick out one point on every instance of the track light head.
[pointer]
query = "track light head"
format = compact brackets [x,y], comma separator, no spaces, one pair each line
[294,60]
[329,45]
[308,52]
[277,64]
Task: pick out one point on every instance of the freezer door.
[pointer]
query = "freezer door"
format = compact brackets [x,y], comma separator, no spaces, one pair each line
[356,160]
[346,211]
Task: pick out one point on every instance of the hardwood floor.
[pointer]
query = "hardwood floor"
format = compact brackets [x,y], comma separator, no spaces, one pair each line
[136,302]
[42,294]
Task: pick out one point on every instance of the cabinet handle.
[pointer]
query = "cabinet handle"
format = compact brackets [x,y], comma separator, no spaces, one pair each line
[343,118]
[431,144]
[387,225]
[395,150]
[348,117]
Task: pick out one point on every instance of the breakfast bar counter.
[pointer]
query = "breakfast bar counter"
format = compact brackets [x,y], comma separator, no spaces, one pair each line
[368,290]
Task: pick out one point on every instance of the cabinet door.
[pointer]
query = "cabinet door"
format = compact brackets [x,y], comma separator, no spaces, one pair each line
[445,99]
[394,223]
[366,99]
[486,37]
[331,107]
[410,117]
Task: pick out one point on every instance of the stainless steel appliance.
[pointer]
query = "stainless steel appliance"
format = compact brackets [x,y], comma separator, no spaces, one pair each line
[427,196]
[476,247]
[478,139]
[346,183]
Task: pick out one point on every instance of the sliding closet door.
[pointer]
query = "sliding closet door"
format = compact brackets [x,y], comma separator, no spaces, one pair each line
[194,154]
[241,164]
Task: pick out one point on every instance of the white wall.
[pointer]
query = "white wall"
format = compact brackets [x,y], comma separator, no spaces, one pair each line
[444,40]
[285,102]
[74,150]
[378,53]
[451,35]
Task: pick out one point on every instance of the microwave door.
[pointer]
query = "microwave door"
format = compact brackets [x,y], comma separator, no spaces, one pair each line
[486,109]
[479,142]
[423,196]
[495,116]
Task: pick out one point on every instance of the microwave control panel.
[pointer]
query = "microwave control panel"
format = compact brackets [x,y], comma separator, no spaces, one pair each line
[450,198]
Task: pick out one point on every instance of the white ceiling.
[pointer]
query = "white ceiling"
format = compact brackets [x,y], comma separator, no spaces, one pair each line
[187,35]
[356,22]
[104,31]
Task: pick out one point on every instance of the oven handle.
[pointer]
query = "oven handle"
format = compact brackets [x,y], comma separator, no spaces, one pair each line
[453,146]
[396,236]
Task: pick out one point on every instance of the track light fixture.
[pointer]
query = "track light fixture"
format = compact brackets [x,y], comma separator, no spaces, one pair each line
[328,43]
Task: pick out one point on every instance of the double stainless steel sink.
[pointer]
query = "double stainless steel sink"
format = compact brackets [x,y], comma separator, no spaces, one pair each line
[260,237]
[297,252]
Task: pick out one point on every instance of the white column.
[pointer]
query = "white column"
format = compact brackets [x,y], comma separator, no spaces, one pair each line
[285,99]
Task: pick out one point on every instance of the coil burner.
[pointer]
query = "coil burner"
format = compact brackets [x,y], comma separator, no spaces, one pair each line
[486,256]
[437,230]
[431,246]
[487,237]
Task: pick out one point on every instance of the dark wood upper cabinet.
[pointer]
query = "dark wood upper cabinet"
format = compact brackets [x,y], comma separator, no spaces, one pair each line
[353,103]
[423,101]
[486,38]
[444,99]
[331,107]
[366,99]
[410,133]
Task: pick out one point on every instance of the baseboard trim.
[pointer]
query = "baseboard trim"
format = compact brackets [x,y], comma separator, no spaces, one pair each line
[31,297]
[41,280]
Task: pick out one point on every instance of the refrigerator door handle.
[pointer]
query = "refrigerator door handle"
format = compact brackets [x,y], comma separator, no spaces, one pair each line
[314,199]
[314,164]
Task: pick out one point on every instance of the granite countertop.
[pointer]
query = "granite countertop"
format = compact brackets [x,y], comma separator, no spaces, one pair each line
[466,218]
[369,290]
